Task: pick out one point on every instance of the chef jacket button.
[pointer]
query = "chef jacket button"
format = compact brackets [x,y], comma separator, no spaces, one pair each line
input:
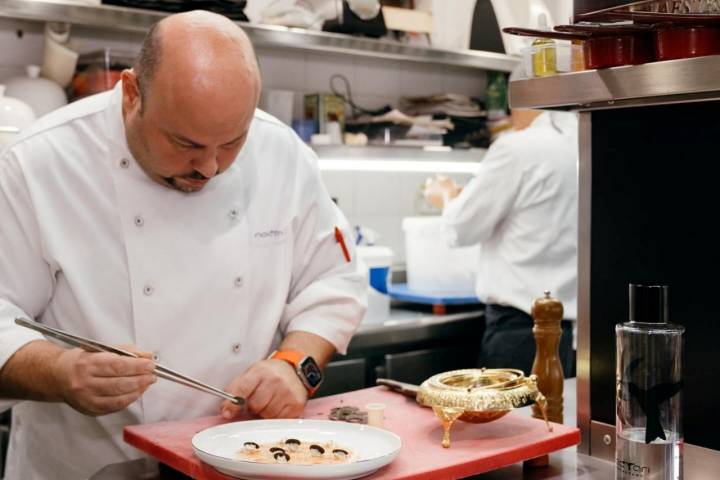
[139,221]
[239,282]
[124,163]
[156,357]
[233,214]
[148,290]
[236,348]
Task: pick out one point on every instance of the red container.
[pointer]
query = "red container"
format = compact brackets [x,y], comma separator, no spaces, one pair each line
[614,45]
[679,32]
[603,47]
[686,41]
[604,52]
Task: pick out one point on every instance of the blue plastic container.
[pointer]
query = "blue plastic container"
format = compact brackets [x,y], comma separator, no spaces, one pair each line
[379,278]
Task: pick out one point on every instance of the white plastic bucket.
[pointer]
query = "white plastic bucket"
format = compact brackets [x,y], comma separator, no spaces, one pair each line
[433,267]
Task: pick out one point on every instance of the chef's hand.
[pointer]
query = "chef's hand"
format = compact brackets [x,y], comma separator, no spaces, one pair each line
[271,389]
[440,189]
[100,383]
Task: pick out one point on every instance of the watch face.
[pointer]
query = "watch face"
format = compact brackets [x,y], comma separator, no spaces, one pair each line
[311,371]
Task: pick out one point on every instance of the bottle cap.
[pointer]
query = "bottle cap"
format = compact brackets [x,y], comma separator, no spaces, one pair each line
[546,309]
[648,303]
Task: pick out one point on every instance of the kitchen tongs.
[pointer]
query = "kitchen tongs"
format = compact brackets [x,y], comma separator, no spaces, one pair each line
[161,371]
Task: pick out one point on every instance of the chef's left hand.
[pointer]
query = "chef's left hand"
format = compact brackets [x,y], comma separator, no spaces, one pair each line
[439,189]
[271,389]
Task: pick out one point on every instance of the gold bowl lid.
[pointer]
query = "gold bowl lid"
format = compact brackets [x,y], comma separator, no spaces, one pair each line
[479,390]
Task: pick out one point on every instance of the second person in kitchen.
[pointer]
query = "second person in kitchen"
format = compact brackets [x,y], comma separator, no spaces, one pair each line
[521,207]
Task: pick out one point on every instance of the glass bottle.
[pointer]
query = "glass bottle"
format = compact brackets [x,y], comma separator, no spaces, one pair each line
[544,52]
[648,424]
[496,96]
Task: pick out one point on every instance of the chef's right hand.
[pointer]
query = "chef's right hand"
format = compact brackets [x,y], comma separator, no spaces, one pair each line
[100,383]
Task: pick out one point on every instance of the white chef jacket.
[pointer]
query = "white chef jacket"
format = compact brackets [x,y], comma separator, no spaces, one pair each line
[209,281]
[521,207]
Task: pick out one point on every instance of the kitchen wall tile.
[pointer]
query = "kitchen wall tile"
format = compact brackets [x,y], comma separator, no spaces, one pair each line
[23,49]
[283,69]
[341,185]
[410,186]
[419,79]
[10,71]
[91,40]
[465,81]
[322,66]
[378,193]
[377,77]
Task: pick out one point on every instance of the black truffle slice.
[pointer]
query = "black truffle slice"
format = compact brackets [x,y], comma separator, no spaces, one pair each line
[340,454]
[251,446]
[281,457]
[317,450]
[292,444]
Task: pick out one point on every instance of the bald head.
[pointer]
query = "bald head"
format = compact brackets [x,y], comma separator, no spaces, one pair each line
[189,101]
[198,47]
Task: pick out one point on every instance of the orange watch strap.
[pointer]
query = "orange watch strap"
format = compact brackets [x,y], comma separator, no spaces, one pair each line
[289,356]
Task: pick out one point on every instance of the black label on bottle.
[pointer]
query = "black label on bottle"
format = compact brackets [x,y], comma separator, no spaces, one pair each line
[630,469]
[650,400]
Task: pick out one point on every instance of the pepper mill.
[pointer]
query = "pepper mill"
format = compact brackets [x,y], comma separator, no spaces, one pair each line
[547,313]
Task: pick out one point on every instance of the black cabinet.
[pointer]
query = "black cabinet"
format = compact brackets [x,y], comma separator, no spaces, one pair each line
[410,350]
[416,366]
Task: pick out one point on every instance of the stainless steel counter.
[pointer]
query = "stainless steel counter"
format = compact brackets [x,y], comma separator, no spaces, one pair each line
[404,326]
[565,465]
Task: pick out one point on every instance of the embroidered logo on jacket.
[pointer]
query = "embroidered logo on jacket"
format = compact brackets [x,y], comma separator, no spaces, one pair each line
[270,234]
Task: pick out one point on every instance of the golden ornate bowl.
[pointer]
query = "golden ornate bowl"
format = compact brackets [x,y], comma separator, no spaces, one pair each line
[478,395]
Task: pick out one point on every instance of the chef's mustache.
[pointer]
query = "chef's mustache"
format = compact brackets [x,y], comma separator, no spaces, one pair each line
[195,176]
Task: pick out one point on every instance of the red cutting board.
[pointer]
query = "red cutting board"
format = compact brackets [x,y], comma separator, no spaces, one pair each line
[475,448]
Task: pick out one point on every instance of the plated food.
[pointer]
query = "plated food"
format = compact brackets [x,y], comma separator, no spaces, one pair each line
[292,450]
[333,450]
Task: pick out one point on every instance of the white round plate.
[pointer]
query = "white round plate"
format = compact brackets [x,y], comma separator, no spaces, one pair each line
[372,448]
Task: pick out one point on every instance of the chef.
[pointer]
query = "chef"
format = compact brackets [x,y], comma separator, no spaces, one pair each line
[521,207]
[172,217]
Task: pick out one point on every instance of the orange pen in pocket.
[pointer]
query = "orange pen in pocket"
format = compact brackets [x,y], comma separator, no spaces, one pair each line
[341,240]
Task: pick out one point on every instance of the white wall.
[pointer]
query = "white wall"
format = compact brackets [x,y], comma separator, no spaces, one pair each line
[380,200]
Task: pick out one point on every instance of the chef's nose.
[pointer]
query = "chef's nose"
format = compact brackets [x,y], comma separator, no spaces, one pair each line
[207,164]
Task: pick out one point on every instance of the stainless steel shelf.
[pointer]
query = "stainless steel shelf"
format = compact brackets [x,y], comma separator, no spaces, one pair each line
[135,20]
[675,81]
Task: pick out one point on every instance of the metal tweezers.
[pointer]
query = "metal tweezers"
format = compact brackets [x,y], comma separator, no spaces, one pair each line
[93,346]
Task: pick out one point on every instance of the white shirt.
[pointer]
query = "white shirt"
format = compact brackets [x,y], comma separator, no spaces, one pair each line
[522,208]
[209,281]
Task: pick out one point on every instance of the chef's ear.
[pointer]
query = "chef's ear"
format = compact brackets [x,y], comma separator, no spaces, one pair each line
[132,95]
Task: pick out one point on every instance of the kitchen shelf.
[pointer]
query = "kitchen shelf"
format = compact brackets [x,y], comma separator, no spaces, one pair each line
[137,20]
[673,81]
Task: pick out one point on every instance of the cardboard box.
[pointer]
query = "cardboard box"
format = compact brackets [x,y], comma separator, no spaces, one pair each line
[406,20]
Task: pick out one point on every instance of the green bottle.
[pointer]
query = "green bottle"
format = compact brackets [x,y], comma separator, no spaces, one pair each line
[496,96]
